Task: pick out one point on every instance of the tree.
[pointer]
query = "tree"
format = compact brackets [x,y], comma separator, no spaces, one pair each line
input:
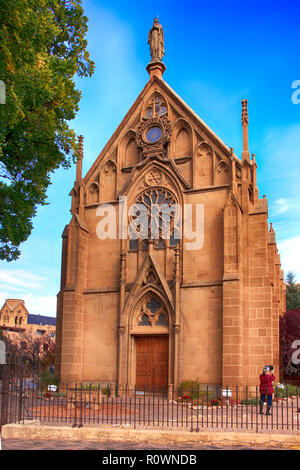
[289,334]
[36,352]
[292,292]
[43,47]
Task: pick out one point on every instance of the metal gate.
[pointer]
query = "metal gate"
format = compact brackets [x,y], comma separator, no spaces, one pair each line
[15,380]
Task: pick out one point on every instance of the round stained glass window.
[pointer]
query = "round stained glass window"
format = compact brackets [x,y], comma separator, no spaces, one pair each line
[155,215]
[153,134]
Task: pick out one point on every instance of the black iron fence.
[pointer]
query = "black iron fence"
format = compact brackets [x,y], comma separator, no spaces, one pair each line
[25,399]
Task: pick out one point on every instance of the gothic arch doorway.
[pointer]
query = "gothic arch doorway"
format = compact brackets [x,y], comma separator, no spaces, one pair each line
[150,355]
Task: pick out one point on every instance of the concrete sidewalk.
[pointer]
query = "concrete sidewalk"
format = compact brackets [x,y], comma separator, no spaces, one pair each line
[127,436]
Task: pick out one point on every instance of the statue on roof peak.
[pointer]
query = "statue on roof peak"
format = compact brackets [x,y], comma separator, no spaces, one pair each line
[156,41]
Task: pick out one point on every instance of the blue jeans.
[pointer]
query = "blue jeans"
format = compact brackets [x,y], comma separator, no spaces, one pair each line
[269,398]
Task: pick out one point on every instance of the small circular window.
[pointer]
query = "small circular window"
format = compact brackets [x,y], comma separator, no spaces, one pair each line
[153,134]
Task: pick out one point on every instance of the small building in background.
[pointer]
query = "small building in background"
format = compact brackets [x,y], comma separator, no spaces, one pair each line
[14,317]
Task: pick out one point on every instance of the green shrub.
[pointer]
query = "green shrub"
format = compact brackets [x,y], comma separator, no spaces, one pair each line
[287,391]
[189,385]
[89,387]
[46,379]
[192,388]
[250,401]
[110,391]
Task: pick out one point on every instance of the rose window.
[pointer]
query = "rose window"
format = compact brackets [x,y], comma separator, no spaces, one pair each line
[155,215]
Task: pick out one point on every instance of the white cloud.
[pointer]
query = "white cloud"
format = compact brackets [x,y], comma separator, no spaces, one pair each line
[41,305]
[283,205]
[22,284]
[280,206]
[38,305]
[20,279]
[289,250]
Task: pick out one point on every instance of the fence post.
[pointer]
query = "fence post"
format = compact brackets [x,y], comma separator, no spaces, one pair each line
[192,408]
[287,407]
[80,410]
[197,429]
[134,421]
[170,392]
[20,396]
[256,401]
[4,396]
[75,408]
[297,405]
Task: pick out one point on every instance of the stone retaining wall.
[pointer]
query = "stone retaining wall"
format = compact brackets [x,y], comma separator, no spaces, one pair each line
[124,434]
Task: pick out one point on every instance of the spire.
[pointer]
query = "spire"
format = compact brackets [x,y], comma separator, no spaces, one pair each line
[79,159]
[245,154]
[156,67]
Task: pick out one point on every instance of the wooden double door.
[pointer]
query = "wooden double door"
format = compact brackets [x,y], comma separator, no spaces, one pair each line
[152,357]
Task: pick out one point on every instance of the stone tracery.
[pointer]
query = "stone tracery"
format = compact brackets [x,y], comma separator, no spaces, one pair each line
[152,313]
[155,215]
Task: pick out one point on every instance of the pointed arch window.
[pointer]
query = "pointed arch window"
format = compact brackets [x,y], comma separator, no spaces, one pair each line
[153,313]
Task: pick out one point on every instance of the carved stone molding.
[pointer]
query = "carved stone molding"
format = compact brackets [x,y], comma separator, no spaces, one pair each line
[121,330]
[204,147]
[123,268]
[155,147]
[222,167]
[150,277]
[109,168]
[154,177]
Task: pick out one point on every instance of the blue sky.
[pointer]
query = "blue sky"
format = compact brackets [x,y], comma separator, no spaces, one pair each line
[216,54]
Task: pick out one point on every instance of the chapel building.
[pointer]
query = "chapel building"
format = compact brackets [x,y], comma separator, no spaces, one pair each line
[153,311]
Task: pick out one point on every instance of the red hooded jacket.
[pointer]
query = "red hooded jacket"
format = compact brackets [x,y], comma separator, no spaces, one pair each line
[266,386]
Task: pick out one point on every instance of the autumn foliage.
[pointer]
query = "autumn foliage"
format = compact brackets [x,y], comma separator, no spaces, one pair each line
[34,351]
[289,328]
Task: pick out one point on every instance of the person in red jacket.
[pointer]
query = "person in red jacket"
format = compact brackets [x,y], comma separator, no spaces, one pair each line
[266,389]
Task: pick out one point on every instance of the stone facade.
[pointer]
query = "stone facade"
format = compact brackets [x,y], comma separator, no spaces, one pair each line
[218,305]
[13,313]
